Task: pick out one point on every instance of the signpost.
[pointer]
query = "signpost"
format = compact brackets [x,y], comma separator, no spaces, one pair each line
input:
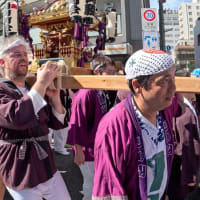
[149,15]
[149,19]
[150,28]
[168,47]
[150,40]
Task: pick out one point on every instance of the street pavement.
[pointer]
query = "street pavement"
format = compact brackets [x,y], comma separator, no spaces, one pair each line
[71,174]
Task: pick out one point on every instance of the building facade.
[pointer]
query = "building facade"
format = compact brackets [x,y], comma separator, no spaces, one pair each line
[145,3]
[188,14]
[184,55]
[171,26]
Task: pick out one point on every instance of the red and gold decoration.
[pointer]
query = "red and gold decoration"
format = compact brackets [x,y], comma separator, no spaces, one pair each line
[65,25]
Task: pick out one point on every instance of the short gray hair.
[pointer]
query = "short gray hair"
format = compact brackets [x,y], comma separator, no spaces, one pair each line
[100,62]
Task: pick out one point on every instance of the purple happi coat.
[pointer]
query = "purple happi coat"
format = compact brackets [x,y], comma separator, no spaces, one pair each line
[88,107]
[19,122]
[120,163]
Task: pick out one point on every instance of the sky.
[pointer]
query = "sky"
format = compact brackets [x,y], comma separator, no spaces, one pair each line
[172,4]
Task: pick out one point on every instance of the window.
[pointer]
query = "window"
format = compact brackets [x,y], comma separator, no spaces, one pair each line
[191,26]
[168,35]
[169,41]
[197,7]
[167,23]
[189,7]
[190,19]
[190,13]
[191,32]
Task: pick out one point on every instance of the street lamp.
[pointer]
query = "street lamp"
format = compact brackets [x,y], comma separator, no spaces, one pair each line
[161,25]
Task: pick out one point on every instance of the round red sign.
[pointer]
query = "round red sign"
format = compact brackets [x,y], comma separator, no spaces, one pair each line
[149,15]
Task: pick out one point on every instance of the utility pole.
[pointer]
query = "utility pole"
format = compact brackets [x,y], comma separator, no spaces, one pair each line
[161,25]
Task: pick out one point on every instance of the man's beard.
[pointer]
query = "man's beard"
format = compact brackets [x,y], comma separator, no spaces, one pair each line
[17,74]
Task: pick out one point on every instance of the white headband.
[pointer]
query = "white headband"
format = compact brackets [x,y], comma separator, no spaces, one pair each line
[12,45]
[98,66]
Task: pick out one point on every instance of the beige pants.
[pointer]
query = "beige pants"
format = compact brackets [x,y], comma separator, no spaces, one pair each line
[2,189]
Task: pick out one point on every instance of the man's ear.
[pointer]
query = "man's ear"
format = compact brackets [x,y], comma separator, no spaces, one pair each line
[1,61]
[136,86]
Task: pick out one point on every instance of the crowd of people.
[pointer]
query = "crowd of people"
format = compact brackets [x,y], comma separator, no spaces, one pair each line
[141,144]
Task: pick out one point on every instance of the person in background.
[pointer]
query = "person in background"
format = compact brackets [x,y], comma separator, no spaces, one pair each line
[88,107]
[121,95]
[26,159]
[185,166]
[58,138]
[195,194]
[134,144]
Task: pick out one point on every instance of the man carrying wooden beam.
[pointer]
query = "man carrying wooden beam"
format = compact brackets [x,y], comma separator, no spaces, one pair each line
[26,114]
[88,107]
[134,144]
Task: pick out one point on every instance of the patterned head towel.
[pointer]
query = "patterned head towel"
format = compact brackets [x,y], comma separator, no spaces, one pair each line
[147,62]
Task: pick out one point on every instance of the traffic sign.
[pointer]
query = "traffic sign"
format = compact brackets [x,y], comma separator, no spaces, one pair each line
[168,47]
[150,40]
[149,19]
[149,15]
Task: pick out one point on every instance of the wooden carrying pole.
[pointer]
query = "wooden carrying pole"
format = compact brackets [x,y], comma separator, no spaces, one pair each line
[183,84]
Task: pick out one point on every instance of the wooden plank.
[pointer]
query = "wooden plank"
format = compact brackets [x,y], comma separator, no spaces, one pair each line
[183,84]
[95,82]
[188,84]
[79,71]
